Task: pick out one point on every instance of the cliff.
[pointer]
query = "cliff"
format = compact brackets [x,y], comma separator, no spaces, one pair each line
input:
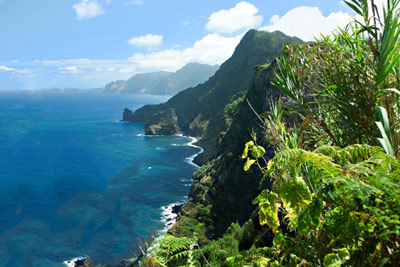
[162,123]
[222,193]
[127,115]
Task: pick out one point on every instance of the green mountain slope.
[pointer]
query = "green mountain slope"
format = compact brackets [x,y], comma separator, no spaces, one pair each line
[222,192]
[219,111]
[200,110]
[164,83]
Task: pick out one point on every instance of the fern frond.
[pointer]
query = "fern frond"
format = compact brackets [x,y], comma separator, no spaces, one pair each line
[171,246]
[292,159]
[330,151]
[357,152]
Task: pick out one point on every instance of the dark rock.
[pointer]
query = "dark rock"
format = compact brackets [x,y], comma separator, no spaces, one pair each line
[162,123]
[127,115]
[82,261]
[176,208]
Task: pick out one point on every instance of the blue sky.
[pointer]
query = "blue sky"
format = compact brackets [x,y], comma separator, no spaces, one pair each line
[87,43]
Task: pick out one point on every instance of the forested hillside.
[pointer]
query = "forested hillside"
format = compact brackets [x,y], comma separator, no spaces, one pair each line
[305,170]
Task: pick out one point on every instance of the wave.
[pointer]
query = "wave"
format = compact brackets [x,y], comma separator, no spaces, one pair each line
[190,159]
[78,261]
[168,216]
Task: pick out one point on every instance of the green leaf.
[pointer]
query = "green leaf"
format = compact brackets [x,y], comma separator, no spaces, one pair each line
[246,149]
[268,203]
[279,239]
[295,194]
[337,259]
[384,128]
[355,8]
[257,151]
[248,164]
[311,217]
[331,260]
[344,255]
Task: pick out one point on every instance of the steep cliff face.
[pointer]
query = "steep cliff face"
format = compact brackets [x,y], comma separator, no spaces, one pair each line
[200,110]
[127,115]
[223,112]
[222,192]
[162,123]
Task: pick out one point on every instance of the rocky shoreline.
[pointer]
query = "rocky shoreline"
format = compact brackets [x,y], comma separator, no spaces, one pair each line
[169,214]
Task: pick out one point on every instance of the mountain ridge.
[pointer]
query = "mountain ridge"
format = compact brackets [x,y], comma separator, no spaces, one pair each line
[203,105]
[163,82]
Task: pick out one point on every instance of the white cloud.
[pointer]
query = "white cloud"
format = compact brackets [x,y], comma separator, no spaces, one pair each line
[13,70]
[90,73]
[4,68]
[148,40]
[88,9]
[134,2]
[306,22]
[212,49]
[69,69]
[242,17]
[84,65]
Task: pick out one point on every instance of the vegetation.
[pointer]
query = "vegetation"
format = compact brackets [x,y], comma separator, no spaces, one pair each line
[328,156]
[338,200]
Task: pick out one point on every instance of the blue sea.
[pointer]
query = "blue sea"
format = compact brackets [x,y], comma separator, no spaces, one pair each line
[74,180]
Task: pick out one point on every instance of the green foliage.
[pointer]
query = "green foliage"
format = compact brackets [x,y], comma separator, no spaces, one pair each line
[231,108]
[340,205]
[278,135]
[268,203]
[334,197]
[337,259]
[338,81]
[216,252]
[384,129]
[339,200]
[256,151]
[171,248]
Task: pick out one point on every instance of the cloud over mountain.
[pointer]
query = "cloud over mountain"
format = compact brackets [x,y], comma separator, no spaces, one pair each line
[306,22]
[241,17]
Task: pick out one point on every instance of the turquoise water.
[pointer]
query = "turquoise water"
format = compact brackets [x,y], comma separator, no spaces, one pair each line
[74,180]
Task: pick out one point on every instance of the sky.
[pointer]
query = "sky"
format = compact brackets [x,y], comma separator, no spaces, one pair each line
[88,43]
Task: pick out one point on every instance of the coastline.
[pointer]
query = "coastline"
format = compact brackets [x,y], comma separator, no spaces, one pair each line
[169,213]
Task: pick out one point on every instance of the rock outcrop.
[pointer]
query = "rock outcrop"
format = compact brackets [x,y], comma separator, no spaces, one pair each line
[162,123]
[127,115]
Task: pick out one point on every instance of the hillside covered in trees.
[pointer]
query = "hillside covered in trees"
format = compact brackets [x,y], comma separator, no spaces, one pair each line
[302,152]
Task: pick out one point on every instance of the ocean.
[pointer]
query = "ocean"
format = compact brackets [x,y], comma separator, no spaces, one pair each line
[74,180]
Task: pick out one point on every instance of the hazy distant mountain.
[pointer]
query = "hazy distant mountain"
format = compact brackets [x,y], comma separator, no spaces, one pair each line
[164,83]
